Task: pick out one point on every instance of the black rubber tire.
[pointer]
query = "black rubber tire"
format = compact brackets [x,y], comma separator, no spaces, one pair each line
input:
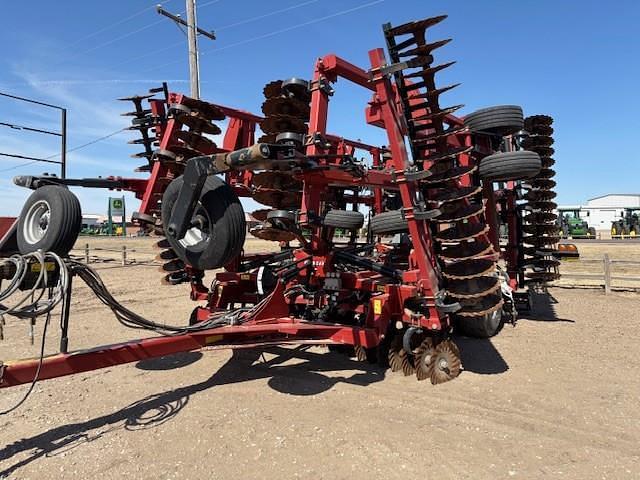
[500,120]
[505,166]
[64,224]
[389,222]
[227,229]
[592,232]
[346,219]
[480,327]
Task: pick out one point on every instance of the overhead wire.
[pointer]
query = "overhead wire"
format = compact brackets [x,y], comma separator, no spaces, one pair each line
[119,22]
[276,32]
[265,15]
[129,34]
[74,149]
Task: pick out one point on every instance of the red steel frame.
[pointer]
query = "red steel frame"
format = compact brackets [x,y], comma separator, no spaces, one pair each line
[273,323]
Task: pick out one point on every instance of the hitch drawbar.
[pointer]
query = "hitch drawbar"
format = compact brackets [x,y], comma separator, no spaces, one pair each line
[257,157]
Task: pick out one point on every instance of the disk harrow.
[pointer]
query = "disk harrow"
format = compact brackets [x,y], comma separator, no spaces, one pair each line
[172,130]
[390,290]
[541,227]
[451,189]
[286,113]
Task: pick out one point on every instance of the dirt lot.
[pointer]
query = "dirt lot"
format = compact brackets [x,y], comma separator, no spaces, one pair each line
[555,397]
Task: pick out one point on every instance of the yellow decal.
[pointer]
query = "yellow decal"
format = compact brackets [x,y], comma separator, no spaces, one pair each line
[245,276]
[381,288]
[211,339]
[50,266]
[377,307]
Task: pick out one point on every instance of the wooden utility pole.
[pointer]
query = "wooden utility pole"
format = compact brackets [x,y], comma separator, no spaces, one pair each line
[192,39]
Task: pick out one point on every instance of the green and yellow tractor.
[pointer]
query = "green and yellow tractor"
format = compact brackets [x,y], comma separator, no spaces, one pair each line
[628,225]
[573,225]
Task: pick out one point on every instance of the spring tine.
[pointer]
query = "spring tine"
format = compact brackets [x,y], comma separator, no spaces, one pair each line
[421,140]
[425,49]
[434,93]
[436,115]
[429,71]
[412,27]
[444,155]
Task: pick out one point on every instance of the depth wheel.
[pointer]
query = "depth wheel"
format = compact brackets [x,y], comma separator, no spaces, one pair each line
[218,225]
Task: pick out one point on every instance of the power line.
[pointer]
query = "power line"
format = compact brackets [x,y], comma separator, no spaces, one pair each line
[79,147]
[277,32]
[224,27]
[265,15]
[127,35]
[119,22]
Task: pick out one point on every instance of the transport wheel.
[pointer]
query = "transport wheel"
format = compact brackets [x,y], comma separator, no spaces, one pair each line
[484,326]
[505,166]
[592,232]
[500,120]
[389,222]
[218,225]
[51,220]
[347,219]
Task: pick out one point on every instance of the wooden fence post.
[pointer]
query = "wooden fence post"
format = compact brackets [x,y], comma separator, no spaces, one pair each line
[607,274]
[86,253]
[124,255]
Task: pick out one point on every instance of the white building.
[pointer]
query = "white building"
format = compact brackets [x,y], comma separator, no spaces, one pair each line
[599,212]
[92,220]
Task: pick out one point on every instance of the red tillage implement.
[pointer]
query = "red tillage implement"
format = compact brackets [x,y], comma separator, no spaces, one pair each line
[439,198]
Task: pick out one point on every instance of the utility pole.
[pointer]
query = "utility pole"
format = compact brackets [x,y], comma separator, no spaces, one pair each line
[192,39]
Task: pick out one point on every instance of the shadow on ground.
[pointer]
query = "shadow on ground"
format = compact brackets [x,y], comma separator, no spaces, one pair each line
[480,356]
[303,378]
[170,362]
[544,309]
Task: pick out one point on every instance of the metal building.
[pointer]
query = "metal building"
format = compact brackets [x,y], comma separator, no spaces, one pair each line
[600,211]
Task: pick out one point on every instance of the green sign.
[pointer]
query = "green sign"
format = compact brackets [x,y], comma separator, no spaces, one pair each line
[116,209]
[117,206]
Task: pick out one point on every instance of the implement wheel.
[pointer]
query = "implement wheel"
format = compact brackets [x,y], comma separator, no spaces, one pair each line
[505,166]
[389,222]
[218,225]
[346,219]
[501,120]
[50,220]
[485,326]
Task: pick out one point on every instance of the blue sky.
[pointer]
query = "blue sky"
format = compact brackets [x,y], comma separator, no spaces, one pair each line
[575,60]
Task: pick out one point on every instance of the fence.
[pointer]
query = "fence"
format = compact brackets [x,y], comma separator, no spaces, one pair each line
[613,274]
[125,256]
[616,274]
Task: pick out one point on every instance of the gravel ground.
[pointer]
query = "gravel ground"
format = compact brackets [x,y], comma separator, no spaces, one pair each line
[555,397]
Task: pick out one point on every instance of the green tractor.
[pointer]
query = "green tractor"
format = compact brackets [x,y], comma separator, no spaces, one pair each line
[572,225]
[628,225]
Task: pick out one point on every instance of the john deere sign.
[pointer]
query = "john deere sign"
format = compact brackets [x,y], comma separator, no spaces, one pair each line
[116,209]
[117,206]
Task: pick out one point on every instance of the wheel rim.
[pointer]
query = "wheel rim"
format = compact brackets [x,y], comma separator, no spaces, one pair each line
[200,232]
[36,221]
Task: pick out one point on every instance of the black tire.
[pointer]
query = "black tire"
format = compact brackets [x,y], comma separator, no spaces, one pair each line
[592,232]
[224,224]
[389,222]
[505,166]
[500,120]
[51,220]
[485,326]
[346,219]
